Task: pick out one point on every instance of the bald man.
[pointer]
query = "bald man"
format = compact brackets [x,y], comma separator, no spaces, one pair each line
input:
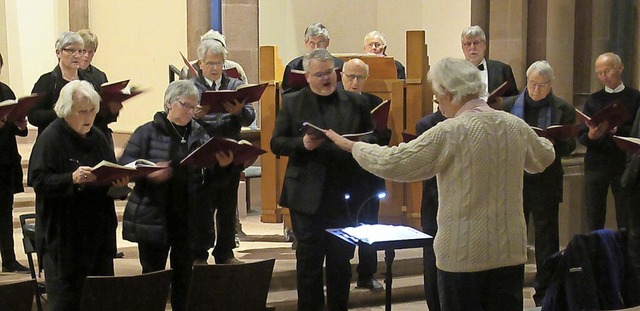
[604,163]
[354,78]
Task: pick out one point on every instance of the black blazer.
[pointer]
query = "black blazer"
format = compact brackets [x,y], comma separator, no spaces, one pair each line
[499,72]
[305,176]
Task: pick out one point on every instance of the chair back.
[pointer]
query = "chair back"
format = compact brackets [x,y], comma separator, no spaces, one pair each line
[17,296]
[242,287]
[145,292]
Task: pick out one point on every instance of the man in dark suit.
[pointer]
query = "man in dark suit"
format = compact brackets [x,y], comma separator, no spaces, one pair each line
[224,197]
[316,36]
[319,178]
[355,73]
[492,72]
[542,192]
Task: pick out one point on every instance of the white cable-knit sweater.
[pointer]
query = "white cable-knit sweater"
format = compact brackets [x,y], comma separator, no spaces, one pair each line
[479,158]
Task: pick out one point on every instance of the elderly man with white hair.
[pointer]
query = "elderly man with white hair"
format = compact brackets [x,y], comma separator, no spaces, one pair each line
[76,220]
[478,155]
[316,36]
[375,43]
[542,193]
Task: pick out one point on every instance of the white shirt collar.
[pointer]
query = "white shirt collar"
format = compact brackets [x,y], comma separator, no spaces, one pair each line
[218,82]
[616,90]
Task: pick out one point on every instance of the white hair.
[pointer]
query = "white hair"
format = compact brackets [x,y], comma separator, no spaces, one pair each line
[458,77]
[542,68]
[65,101]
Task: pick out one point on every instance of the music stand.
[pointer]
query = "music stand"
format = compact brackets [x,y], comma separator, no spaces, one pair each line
[383,237]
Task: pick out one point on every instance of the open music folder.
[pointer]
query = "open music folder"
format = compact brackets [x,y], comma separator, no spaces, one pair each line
[381,236]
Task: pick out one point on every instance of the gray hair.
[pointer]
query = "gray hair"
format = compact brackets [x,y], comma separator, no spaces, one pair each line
[179,89]
[473,32]
[315,30]
[613,58]
[214,35]
[212,46]
[374,34]
[317,54]
[65,101]
[541,67]
[68,38]
[458,77]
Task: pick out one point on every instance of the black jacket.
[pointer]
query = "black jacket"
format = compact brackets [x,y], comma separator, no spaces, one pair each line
[150,205]
[75,223]
[310,173]
[41,113]
[10,159]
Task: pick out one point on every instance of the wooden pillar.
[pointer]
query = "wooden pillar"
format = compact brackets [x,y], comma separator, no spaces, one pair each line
[198,22]
[78,14]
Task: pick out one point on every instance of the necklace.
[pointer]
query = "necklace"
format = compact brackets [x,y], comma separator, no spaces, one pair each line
[182,140]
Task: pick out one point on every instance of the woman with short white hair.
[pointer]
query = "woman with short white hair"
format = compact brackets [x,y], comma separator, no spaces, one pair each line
[76,219]
[478,155]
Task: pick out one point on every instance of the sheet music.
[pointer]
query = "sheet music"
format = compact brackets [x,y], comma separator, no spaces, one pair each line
[379,233]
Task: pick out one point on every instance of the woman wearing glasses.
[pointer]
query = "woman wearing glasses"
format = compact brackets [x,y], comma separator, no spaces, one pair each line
[70,53]
[169,212]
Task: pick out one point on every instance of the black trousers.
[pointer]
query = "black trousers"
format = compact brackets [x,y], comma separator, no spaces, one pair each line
[64,288]
[225,203]
[596,188]
[314,245]
[368,259]
[547,241]
[495,289]
[6,224]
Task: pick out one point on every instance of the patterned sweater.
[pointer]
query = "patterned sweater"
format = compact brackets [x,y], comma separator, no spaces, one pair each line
[479,158]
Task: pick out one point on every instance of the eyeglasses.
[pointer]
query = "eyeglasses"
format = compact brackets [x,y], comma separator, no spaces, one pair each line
[214,64]
[533,85]
[74,51]
[186,107]
[321,75]
[470,43]
[315,44]
[375,44]
[605,72]
[353,77]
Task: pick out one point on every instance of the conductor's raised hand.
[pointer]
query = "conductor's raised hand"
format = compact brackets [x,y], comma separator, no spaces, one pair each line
[341,142]
[235,107]
[224,158]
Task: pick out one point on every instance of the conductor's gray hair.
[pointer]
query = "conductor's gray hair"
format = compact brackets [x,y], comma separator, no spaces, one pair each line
[317,54]
[212,46]
[542,68]
[473,32]
[68,38]
[65,102]
[315,30]
[458,77]
[180,89]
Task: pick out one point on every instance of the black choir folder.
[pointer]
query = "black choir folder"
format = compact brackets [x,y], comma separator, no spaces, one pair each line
[108,172]
[615,113]
[557,132]
[380,115]
[248,93]
[16,110]
[499,91]
[628,144]
[381,236]
[204,156]
[316,131]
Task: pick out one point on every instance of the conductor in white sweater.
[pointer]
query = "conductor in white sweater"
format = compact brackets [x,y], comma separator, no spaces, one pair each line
[478,156]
